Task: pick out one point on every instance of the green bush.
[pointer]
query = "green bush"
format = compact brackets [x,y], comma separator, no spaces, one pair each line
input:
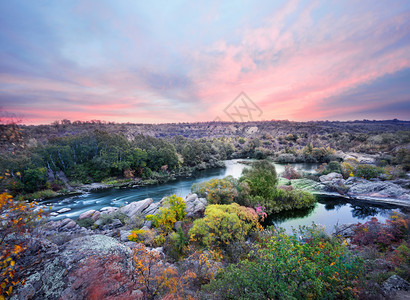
[172,210]
[261,179]
[224,224]
[367,171]
[217,191]
[87,222]
[282,200]
[289,267]
[106,219]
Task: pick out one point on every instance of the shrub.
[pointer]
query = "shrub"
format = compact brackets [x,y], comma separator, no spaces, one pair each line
[142,236]
[285,200]
[291,173]
[106,219]
[286,158]
[157,278]
[382,235]
[176,244]
[172,210]
[224,224]
[217,191]
[86,222]
[347,169]
[17,220]
[261,179]
[288,267]
[367,171]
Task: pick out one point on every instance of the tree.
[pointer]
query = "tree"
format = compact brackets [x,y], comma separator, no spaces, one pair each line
[261,179]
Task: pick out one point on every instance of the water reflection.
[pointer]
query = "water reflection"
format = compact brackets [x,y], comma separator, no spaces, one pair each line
[330,211]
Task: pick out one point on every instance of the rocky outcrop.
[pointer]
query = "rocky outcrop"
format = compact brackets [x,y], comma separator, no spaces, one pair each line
[152,209]
[396,287]
[362,189]
[90,214]
[334,183]
[90,267]
[195,207]
[136,207]
[62,225]
[360,157]
[330,177]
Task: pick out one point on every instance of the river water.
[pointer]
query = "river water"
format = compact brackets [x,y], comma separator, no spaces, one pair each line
[328,211]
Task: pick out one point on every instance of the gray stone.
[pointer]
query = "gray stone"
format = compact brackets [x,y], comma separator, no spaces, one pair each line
[88,267]
[152,209]
[108,209]
[195,207]
[330,177]
[63,210]
[116,223]
[395,283]
[148,224]
[87,214]
[177,224]
[69,225]
[136,207]
[382,189]
[124,235]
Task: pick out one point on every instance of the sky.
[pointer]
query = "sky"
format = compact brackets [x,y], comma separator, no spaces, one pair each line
[188,61]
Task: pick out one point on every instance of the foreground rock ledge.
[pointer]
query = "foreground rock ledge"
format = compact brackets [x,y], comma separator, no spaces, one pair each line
[89,267]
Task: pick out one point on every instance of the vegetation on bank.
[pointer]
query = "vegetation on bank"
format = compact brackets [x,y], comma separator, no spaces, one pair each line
[68,154]
[256,188]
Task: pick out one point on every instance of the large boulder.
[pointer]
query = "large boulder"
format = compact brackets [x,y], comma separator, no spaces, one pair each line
[334,182]
[330,177]
[62,225]
[90,214]
[135,207]
[152,209]
[195,207]
[396,287]
[378,189]
[90,267]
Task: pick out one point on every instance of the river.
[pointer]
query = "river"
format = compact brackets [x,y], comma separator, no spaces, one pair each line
[328,211]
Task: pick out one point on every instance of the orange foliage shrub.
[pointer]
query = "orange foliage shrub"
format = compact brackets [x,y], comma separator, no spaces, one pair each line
[16,218]
[156,278]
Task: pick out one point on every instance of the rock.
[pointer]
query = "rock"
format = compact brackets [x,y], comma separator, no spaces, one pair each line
[147,224]
[195,207]
[381,189]
[53,214]
[152,209]
[69,225]
[116,223]
[108,209]
[95,216]
[90,214]
[395,283]
[131,244]
[330,177]
[404,183]
[63,210]
[90,267]
[124,235]
[360,157]
[177,224]
[136,207]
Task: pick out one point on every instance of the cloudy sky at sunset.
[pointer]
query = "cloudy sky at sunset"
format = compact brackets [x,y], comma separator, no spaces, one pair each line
[185,61]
